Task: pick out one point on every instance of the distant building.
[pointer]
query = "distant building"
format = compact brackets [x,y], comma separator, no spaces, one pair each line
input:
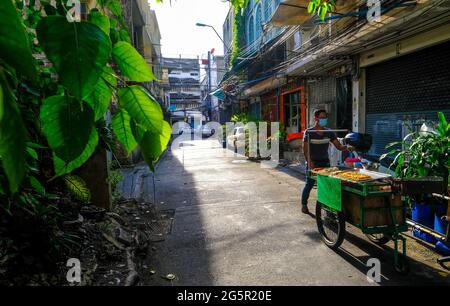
[212,101]
[181,79]
[146,38]
[228,36]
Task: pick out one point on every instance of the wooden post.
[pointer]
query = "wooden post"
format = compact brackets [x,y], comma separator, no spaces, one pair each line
[95,173]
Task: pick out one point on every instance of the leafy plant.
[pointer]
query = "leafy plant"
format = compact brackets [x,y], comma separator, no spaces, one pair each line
[77,187]
[321,7]
[57,82]
[114,178]
[423,153]
[78,87]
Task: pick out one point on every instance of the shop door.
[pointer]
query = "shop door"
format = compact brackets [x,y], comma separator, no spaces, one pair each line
[292,114]
[406,91]
[344,103]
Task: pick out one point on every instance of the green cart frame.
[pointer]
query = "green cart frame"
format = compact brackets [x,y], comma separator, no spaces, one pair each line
[331,214]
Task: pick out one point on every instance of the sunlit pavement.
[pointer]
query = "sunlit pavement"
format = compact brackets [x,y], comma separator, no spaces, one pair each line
[238,223]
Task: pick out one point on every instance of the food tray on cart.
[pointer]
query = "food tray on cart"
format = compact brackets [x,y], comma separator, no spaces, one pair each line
[336,171]
[376,184]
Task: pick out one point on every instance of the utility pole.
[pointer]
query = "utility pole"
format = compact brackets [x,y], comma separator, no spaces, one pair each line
[209,85]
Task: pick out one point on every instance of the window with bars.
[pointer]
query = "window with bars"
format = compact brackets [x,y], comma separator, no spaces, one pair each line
[251,30]
[258,19]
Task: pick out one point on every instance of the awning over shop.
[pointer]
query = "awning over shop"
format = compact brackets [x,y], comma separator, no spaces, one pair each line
[264,85]
[295,12]
[291,12]
[219,93]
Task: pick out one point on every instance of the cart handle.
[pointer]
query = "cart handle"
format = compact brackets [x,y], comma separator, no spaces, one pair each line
[437,195]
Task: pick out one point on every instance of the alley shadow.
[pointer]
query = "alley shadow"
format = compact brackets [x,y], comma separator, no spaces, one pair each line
[420,273]
[182,251]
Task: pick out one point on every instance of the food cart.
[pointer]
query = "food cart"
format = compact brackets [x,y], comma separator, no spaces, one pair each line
[371,201]
[370,205]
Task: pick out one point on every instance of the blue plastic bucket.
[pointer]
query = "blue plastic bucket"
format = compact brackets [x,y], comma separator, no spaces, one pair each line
[442,248]
[423,214]
[440,225]
[424,236]
[440,209]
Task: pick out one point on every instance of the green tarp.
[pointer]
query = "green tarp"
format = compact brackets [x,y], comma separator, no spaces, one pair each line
[329,192]
[219,93]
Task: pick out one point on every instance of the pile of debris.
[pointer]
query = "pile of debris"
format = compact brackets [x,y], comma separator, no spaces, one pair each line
[117,242]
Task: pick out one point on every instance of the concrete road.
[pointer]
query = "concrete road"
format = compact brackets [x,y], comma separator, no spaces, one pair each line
[239,223]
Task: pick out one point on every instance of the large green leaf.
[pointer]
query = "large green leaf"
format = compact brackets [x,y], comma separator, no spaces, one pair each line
[14,45]
[100,20]
[137,130]
[142,108]
[12,143]
[67,125]
[443,127]
[131,63]
[37,186]
[62,167]
[124,36]
[121,127]
[78,188]
[1,102]
[153,145]
[100,98]
[79,51]
[114,6]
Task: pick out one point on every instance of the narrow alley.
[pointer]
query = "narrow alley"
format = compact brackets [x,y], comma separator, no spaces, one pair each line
[238,223]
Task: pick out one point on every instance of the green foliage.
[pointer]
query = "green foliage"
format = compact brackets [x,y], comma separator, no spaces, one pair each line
[67,124]
[1,102]
[131,63]
[77,187]
[239,4]
[238,30]
[142,108]
[121,127]
[100,98]
[423,153]
[62,167]
[154,144]
[14,37]
[443,127]
[34,182]
[12,143]
[114,178]
[79,51]
[321,7]
[52,119]
[100,20]
[80,54]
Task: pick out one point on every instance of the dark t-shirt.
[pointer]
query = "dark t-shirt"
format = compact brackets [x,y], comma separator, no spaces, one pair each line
[319,143]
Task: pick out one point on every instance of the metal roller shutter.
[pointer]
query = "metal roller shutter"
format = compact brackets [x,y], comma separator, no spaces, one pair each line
[407,90]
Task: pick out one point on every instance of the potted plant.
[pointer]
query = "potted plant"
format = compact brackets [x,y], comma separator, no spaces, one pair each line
[423,156]
[423,153]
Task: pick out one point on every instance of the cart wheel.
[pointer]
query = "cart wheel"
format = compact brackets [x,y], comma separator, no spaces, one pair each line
[379,239]
[331,225]
[402,266]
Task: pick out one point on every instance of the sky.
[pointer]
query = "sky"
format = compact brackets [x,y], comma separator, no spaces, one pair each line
[180,35]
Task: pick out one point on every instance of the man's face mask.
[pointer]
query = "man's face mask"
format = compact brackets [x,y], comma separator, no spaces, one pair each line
[323,121]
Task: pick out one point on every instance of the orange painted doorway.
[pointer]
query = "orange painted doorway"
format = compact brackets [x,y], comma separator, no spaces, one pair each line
[301,91]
